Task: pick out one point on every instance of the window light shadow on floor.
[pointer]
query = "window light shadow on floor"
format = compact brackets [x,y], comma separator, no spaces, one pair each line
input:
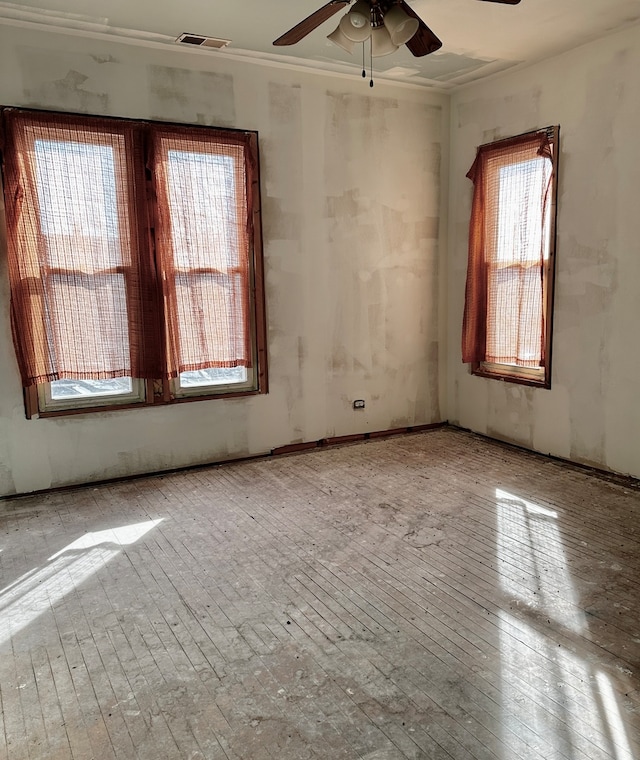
[567,706]
[39,590]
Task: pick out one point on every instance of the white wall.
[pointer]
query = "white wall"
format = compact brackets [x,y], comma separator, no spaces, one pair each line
[592,413]
[353,231]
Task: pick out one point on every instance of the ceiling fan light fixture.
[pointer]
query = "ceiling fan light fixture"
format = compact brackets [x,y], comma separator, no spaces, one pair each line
[381,42]
[339,38]
[354,33]
[400,25]
[360,15]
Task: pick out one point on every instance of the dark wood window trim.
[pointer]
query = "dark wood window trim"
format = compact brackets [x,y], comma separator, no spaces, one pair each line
[510,373]
[158,392]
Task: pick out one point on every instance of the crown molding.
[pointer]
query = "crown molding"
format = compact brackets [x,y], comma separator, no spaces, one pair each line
[77,25]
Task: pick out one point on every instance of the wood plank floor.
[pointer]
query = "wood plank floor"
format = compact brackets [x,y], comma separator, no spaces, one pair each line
[432,596]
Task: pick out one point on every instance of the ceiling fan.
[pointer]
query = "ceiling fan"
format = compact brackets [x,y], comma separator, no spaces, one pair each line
[388,23]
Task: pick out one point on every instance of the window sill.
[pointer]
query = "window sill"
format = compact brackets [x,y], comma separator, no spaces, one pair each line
[33,412]
[509,374]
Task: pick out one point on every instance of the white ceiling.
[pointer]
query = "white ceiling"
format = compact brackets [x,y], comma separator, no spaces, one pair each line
[479,38]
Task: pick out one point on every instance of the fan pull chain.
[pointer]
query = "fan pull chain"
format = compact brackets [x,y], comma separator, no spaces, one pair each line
[364,73]
[371,60]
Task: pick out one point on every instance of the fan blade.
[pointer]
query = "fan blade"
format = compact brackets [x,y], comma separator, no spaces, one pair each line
[505,2]
[311,22]
[424,41]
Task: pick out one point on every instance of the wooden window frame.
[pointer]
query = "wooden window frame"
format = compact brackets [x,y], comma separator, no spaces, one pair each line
[534,376]
[160,392]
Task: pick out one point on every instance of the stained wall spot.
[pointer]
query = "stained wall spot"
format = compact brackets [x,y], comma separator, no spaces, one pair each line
[511,413]
[587,289]
[65,82]
[432,412]
[588,263]
[195,97]
[525,104]
[278,223]
[284,231]
[108,58]
[282,154]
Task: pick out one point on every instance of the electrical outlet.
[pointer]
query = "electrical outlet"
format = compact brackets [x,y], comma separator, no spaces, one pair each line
[358,403]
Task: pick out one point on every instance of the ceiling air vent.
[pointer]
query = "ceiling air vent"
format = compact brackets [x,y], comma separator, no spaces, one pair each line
[200,41]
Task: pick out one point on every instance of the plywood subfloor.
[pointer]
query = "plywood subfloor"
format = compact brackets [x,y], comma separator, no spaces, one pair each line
[432,596]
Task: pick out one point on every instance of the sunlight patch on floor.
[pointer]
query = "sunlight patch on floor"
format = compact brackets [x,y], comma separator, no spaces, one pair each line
[39,590]
[562,704]
[532,561]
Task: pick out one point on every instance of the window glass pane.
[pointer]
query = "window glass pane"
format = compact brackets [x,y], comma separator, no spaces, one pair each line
[203,377]
[520,211]
[95,320]
[516,274]
[202,197]
[77,198]
[85,260]
[70,389]
[202,232]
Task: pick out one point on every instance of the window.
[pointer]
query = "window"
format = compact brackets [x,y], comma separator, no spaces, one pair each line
[135,261]
[509,291]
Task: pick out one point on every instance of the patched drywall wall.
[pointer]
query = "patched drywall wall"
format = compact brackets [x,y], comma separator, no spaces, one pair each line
[353,235]
[591,414]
